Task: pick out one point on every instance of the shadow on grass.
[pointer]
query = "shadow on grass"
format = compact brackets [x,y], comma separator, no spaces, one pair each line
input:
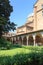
[32,58]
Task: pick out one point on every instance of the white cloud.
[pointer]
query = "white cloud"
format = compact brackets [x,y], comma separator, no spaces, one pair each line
[31,14]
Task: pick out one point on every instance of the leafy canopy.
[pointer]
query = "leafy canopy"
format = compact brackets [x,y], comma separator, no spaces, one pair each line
[5,11]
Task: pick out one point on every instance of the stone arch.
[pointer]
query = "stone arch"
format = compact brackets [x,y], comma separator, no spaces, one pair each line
[38,39]
[17,40]
[14,40]
[42,40]
[8,39]
[24,41]
[11,39]
[20,40]
[30,40]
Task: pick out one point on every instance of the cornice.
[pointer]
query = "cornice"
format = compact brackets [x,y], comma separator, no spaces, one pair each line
[35,3]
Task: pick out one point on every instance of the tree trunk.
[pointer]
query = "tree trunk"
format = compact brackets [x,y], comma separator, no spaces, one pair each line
[0,34]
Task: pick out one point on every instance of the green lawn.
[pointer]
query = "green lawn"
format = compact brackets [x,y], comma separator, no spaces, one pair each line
[13,51]
[24,50]
[22,55]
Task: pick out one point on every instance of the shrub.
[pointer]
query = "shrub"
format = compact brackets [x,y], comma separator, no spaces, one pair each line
[32,58]
[17,45]
[4,44]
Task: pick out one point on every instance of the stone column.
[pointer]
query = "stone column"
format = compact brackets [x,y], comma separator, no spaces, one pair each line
[18,40]
[22,40]
[15,39]
[27,40]
[12,39]
[34,40]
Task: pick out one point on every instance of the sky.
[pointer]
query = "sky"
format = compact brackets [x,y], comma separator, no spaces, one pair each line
[21,10]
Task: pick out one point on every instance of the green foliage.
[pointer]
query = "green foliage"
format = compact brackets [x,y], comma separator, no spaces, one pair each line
[17,46]
[4,44]
[5,11]
[23,59]
[27,55]
[5,8]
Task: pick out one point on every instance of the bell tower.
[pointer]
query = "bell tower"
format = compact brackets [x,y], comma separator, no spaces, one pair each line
[38,15]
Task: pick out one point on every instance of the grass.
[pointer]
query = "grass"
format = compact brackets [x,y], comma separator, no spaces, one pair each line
[22,55]
[23,49]
[13,51]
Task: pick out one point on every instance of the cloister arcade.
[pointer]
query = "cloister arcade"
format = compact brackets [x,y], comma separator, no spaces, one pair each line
[28,39]
[24,40]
